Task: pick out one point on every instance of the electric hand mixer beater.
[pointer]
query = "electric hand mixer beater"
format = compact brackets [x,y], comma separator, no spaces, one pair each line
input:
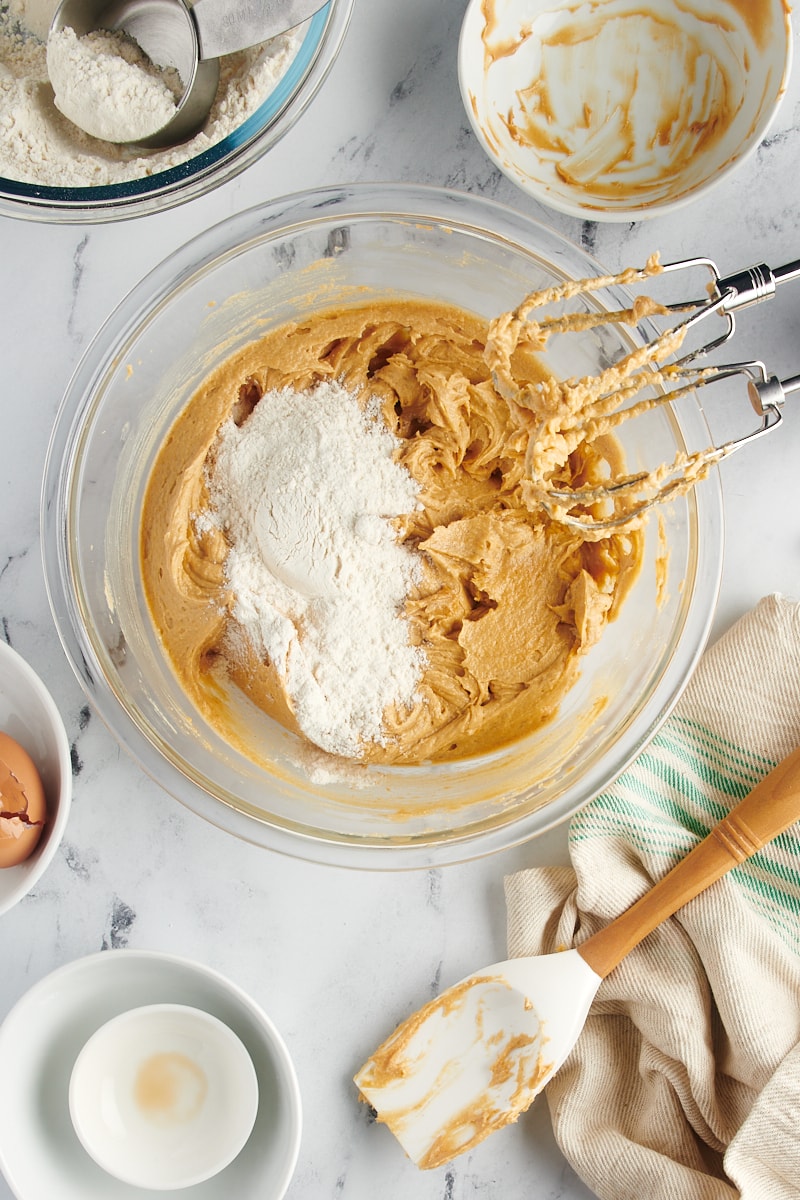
[565,414]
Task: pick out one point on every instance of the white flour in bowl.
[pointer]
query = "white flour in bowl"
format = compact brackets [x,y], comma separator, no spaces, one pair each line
[38,145]
[107,86]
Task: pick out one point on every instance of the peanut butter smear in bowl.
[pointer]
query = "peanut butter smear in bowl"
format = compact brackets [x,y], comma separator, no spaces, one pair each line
[293,559]
[615,109]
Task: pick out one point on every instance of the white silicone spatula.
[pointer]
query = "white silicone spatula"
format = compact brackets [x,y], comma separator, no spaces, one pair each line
[474,1058]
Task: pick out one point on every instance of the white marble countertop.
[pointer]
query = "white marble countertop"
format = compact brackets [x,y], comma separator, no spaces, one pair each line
[335,957]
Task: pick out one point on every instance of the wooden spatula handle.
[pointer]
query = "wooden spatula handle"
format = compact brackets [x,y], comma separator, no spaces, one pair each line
[772,806]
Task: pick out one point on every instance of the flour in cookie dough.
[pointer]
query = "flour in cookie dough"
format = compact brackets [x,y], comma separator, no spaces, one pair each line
[506,601]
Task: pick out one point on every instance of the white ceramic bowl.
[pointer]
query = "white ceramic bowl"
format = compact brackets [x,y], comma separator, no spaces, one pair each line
[163,1096]
[29,715]
[167,187]
[260,269]
[614,110]
[40,1153]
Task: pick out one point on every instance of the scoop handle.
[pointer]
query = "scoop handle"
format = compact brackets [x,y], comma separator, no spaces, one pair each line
[227,26]
[771,807]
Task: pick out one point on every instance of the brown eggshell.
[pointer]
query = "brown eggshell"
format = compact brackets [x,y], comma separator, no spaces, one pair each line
[22,803]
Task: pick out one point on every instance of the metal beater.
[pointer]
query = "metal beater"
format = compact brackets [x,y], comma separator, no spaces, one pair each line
[601,509]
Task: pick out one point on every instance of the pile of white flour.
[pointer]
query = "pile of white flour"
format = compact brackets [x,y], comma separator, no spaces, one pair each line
[305,490]
[107,86]
[39,145]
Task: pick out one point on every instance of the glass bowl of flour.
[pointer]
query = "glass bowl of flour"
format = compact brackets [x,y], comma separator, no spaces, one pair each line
[282,263]
[52,171]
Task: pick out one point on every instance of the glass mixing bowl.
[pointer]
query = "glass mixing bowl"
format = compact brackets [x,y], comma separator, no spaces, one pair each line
[321,42]
[219,292]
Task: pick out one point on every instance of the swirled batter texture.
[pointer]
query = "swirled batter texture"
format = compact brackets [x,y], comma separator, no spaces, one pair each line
[508,601]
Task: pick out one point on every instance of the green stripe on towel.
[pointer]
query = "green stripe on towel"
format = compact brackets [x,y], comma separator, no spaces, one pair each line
[677,789]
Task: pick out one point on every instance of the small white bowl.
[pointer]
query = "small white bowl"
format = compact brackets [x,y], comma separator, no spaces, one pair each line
[614,110]
[28,714]
[163,1096]
[40,1153]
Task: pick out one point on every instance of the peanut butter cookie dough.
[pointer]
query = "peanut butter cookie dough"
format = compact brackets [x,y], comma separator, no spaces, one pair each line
[504,601]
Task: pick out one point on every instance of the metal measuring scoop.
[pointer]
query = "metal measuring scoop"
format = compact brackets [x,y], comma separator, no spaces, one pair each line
[190,39]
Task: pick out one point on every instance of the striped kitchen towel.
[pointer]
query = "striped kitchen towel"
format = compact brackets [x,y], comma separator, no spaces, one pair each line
[685,1083]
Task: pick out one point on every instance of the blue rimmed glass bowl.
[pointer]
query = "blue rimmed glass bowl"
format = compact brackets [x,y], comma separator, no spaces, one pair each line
[174,185]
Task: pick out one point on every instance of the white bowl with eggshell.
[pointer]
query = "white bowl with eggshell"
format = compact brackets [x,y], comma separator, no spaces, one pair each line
[34,751]
[617,110]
